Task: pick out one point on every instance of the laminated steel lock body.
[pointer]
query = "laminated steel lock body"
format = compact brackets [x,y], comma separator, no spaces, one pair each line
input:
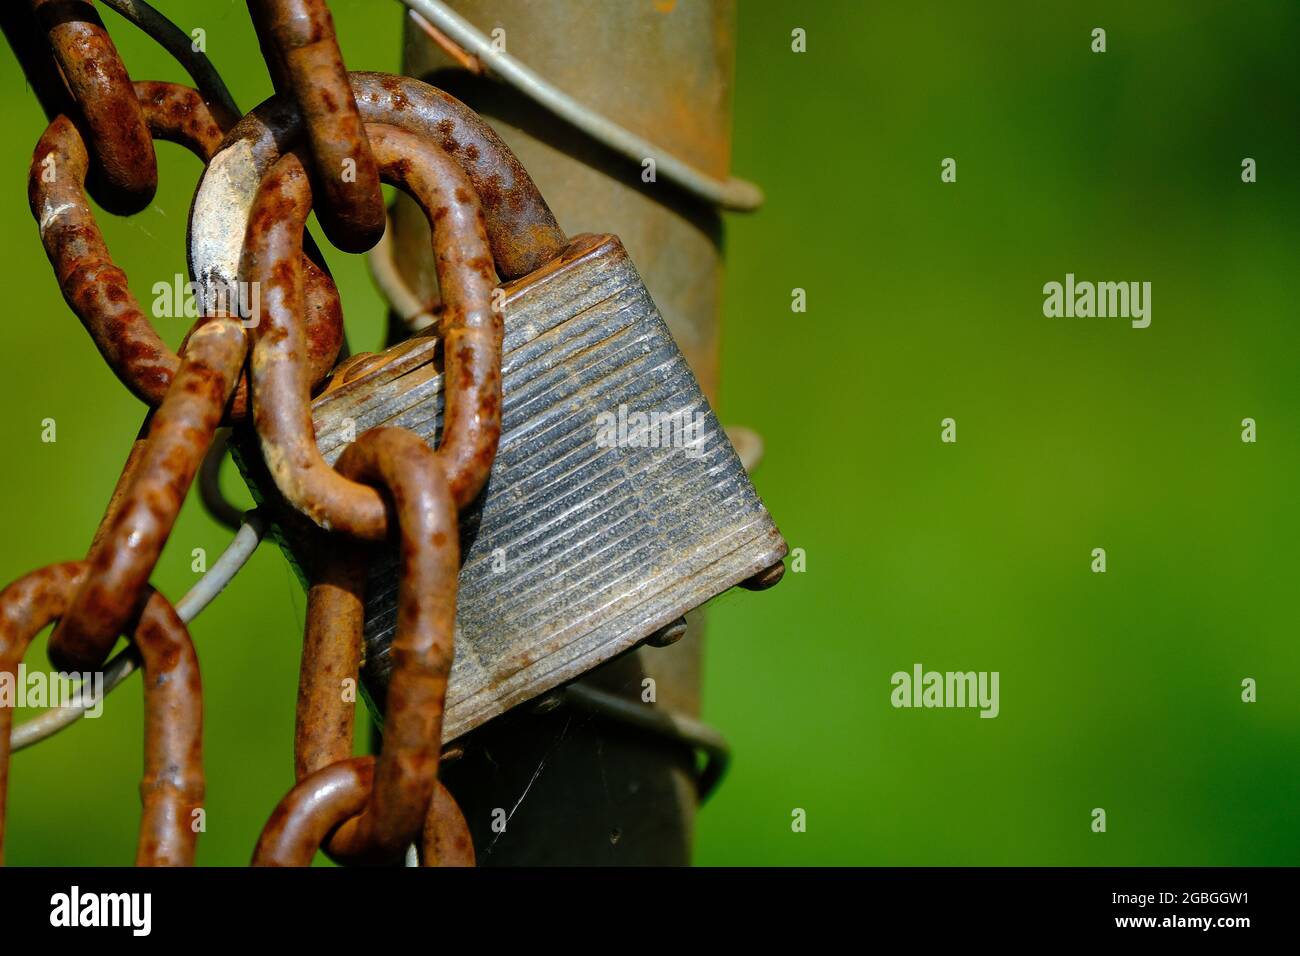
[616,502]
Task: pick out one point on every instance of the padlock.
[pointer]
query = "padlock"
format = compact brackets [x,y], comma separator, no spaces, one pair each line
[616,502]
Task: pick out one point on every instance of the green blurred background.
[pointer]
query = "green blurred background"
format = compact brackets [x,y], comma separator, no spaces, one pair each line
[1119,691]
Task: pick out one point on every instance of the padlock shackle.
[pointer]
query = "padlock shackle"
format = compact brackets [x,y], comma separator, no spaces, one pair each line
[521,228]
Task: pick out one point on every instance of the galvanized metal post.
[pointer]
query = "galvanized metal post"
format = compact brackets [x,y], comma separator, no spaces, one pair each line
[569,787]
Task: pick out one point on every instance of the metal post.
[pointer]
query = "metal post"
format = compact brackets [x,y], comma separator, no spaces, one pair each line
[577,788]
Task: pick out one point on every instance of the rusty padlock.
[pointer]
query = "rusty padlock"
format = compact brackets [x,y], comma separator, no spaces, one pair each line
[616,503]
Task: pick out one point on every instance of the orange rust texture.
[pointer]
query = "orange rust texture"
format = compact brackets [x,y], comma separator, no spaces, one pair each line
[96,289]
[108,105]
[298,38]
[471,331]
[179,435]
[172,786]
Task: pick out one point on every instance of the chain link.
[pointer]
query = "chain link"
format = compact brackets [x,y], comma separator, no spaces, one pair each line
[303,56]
[172,788]
[105,102]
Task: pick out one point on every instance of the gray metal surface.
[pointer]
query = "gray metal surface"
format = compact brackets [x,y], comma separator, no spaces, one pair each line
[577,551]
[608,794]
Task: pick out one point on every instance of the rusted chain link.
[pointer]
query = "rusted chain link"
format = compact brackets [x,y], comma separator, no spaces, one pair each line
[323,730]
[422,650]
[471,333]
[194,398]
[179,435]
[331,656]
[401,794]
[400,462]
[302,820]
[97,289]
[219,574]
[446,840]
[302,51]
[108,105]
[172,786]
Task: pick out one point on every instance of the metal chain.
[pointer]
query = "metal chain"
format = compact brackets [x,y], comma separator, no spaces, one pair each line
[388,485]
[101,90]
[172,788]
[219,574]
[426,490]
[303,57]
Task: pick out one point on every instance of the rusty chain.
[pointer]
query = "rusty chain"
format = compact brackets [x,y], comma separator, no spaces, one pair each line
[330,134]
[105,101]
[470,330]
[172,788]
[298,42]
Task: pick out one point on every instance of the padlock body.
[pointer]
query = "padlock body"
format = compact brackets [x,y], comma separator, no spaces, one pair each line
[616,503]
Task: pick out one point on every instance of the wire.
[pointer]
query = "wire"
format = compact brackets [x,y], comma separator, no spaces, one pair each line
[181,46]
[210,493]
[388,280]
[223,570]
[663,723]
[732,193]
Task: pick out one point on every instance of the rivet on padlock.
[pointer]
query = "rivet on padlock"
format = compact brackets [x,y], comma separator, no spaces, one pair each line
[668,635]
[595,533]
